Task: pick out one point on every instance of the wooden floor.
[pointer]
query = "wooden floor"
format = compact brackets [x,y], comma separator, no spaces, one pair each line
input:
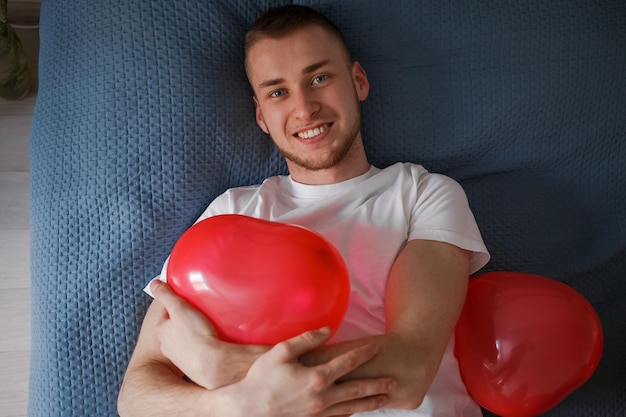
[15,124]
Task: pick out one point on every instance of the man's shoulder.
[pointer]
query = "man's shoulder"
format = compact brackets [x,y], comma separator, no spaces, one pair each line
[408,171]
[415,175]
[247,192]
[269,183]
[404,167]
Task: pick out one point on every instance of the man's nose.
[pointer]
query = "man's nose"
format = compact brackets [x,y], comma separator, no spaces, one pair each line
[305,105]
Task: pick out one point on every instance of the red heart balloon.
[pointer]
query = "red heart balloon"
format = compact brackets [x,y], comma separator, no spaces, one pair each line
[525,342]
[259,282]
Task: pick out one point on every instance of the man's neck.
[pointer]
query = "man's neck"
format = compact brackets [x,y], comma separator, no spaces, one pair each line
[328,176]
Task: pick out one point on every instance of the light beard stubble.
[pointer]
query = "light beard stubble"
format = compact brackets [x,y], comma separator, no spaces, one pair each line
[331,159]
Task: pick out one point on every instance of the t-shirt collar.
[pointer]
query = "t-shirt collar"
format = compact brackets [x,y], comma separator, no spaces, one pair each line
[298,189]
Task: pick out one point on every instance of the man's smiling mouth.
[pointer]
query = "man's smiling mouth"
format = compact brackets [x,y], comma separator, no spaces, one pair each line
[311,133]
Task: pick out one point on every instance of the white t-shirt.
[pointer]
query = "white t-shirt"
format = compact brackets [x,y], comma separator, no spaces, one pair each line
[369,219]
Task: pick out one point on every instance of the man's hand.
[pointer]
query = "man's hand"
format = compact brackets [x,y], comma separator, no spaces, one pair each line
[279,385]
[266,381]
[190,341]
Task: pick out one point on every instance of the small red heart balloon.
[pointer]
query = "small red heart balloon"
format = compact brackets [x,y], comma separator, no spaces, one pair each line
[525,342]
[259,282]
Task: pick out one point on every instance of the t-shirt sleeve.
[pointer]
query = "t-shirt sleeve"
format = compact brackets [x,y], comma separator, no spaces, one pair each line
[221,205]
[442,213]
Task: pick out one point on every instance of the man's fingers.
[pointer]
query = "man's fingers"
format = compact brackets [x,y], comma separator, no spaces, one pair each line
[292,348]
[349,361]
[361,405]
[175,306]
[163,294]
[360,395]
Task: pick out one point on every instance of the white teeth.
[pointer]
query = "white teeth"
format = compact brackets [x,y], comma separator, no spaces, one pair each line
[312,133]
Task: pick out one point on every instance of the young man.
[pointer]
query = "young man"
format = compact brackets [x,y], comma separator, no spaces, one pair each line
[408,237]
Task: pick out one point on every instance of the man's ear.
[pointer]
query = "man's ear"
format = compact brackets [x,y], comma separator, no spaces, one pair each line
[361,82]
[259,116]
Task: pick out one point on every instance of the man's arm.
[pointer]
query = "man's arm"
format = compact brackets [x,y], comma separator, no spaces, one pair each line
[263,383]
[153,386]
[425,294]
[188,339]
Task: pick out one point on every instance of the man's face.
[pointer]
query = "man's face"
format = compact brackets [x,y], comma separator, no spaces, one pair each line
[307,97]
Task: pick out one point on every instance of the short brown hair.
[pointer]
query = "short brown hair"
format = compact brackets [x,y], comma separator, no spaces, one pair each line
[281,21]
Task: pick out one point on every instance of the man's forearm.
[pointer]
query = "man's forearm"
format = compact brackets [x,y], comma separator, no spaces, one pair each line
[425,293]
[154,386]
[275,386]
[398,358]
[155,390]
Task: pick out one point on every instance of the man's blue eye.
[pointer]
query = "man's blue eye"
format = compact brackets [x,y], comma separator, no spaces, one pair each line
[319,79]
[277,93]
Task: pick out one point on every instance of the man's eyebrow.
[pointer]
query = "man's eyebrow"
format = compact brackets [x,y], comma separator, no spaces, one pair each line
[314,67]
[271,83]
[307,70]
